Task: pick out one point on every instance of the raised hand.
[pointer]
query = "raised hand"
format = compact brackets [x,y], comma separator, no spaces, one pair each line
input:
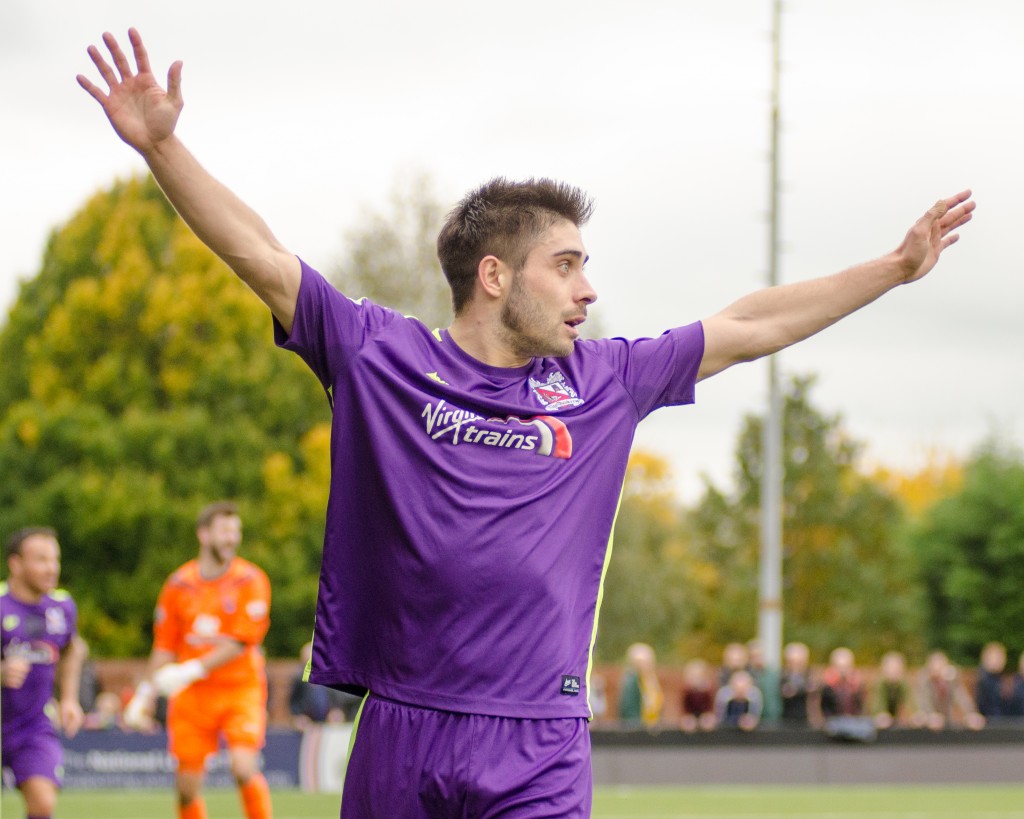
[933,233]
[143,114]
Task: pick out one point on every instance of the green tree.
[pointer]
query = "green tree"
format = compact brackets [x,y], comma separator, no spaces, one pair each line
[140,382]
[970,547]
[651,579]
[391,257]
[846,577]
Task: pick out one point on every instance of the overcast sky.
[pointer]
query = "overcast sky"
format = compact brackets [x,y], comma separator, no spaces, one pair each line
[660,109]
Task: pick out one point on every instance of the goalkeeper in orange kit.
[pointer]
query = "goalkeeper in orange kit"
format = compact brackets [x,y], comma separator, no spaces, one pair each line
[211,617]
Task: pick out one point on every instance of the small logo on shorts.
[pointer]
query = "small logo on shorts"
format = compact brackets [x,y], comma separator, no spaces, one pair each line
[570,685]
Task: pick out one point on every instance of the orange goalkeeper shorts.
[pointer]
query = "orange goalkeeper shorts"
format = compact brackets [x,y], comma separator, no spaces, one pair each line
[201,715]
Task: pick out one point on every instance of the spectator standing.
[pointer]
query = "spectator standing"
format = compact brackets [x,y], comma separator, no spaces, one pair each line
[738,704]
[734,658]
[698,697]
[105,714]
[767,681]
[892,698]
[797,687]
[943,698]
[211,617]
[640,697]
[842,686]
[993,687]
[39,646]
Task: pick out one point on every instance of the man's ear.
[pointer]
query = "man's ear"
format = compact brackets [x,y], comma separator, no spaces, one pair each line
[492,274]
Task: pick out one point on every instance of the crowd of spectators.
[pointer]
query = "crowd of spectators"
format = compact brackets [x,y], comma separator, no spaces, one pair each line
[743,692]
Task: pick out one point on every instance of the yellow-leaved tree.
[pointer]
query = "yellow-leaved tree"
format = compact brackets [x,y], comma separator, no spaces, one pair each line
[140,381]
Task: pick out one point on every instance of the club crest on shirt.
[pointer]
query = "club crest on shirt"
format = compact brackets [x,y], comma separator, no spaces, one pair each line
[256,609]
[56,623]
[555,393]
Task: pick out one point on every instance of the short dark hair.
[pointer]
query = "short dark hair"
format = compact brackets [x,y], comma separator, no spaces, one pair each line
[503,218]
[15,541]
[215,510]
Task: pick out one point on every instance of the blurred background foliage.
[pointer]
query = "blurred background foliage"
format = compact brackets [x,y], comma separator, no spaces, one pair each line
[140,381]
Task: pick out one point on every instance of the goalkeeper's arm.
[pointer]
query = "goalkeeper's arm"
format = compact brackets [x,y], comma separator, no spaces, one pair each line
[170,678]
[166,677]
[138,713]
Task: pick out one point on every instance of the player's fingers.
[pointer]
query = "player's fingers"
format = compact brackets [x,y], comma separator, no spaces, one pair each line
[957,198]
[97,95]
[174,83]
[958,215]
[950,204]
[117,55]
[957,221]
[101,65]
[141,55]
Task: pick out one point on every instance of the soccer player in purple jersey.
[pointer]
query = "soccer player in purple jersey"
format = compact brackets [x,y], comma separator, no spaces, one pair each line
[476,470]
[38,641]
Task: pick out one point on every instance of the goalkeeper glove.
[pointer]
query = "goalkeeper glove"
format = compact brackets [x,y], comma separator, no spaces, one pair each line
[175,677]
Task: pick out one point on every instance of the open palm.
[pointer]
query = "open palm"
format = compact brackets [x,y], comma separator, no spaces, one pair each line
[142,113]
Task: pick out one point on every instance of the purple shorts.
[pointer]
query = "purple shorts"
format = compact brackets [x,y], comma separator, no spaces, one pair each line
[34,750]
[409,762]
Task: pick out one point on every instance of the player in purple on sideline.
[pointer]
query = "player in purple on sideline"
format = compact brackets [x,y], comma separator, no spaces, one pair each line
[38,642]
[476,470]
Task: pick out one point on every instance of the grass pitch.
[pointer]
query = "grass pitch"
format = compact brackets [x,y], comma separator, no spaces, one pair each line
[727,802]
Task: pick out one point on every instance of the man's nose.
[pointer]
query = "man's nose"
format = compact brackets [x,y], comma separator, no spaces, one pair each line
[588,294]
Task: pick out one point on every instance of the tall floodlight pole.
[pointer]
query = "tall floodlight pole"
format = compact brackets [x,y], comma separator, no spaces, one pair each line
[769,625]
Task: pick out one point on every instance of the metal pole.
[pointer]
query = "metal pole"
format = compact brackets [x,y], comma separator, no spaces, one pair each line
[769,626]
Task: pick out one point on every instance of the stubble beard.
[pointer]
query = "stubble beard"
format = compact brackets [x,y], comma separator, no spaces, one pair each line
[39,588]
[521,318]
[223,554]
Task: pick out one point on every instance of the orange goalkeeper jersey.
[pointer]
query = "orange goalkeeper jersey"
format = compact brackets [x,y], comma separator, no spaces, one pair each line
[194,615]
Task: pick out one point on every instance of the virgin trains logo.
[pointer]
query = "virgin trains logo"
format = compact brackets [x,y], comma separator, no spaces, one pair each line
[541,434]
[37,652]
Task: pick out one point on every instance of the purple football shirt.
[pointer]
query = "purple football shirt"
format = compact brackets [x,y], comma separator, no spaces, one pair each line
[38,632]
[471,507]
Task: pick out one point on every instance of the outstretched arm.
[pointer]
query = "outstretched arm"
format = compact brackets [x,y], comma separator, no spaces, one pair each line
[772,319]
[144,115]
